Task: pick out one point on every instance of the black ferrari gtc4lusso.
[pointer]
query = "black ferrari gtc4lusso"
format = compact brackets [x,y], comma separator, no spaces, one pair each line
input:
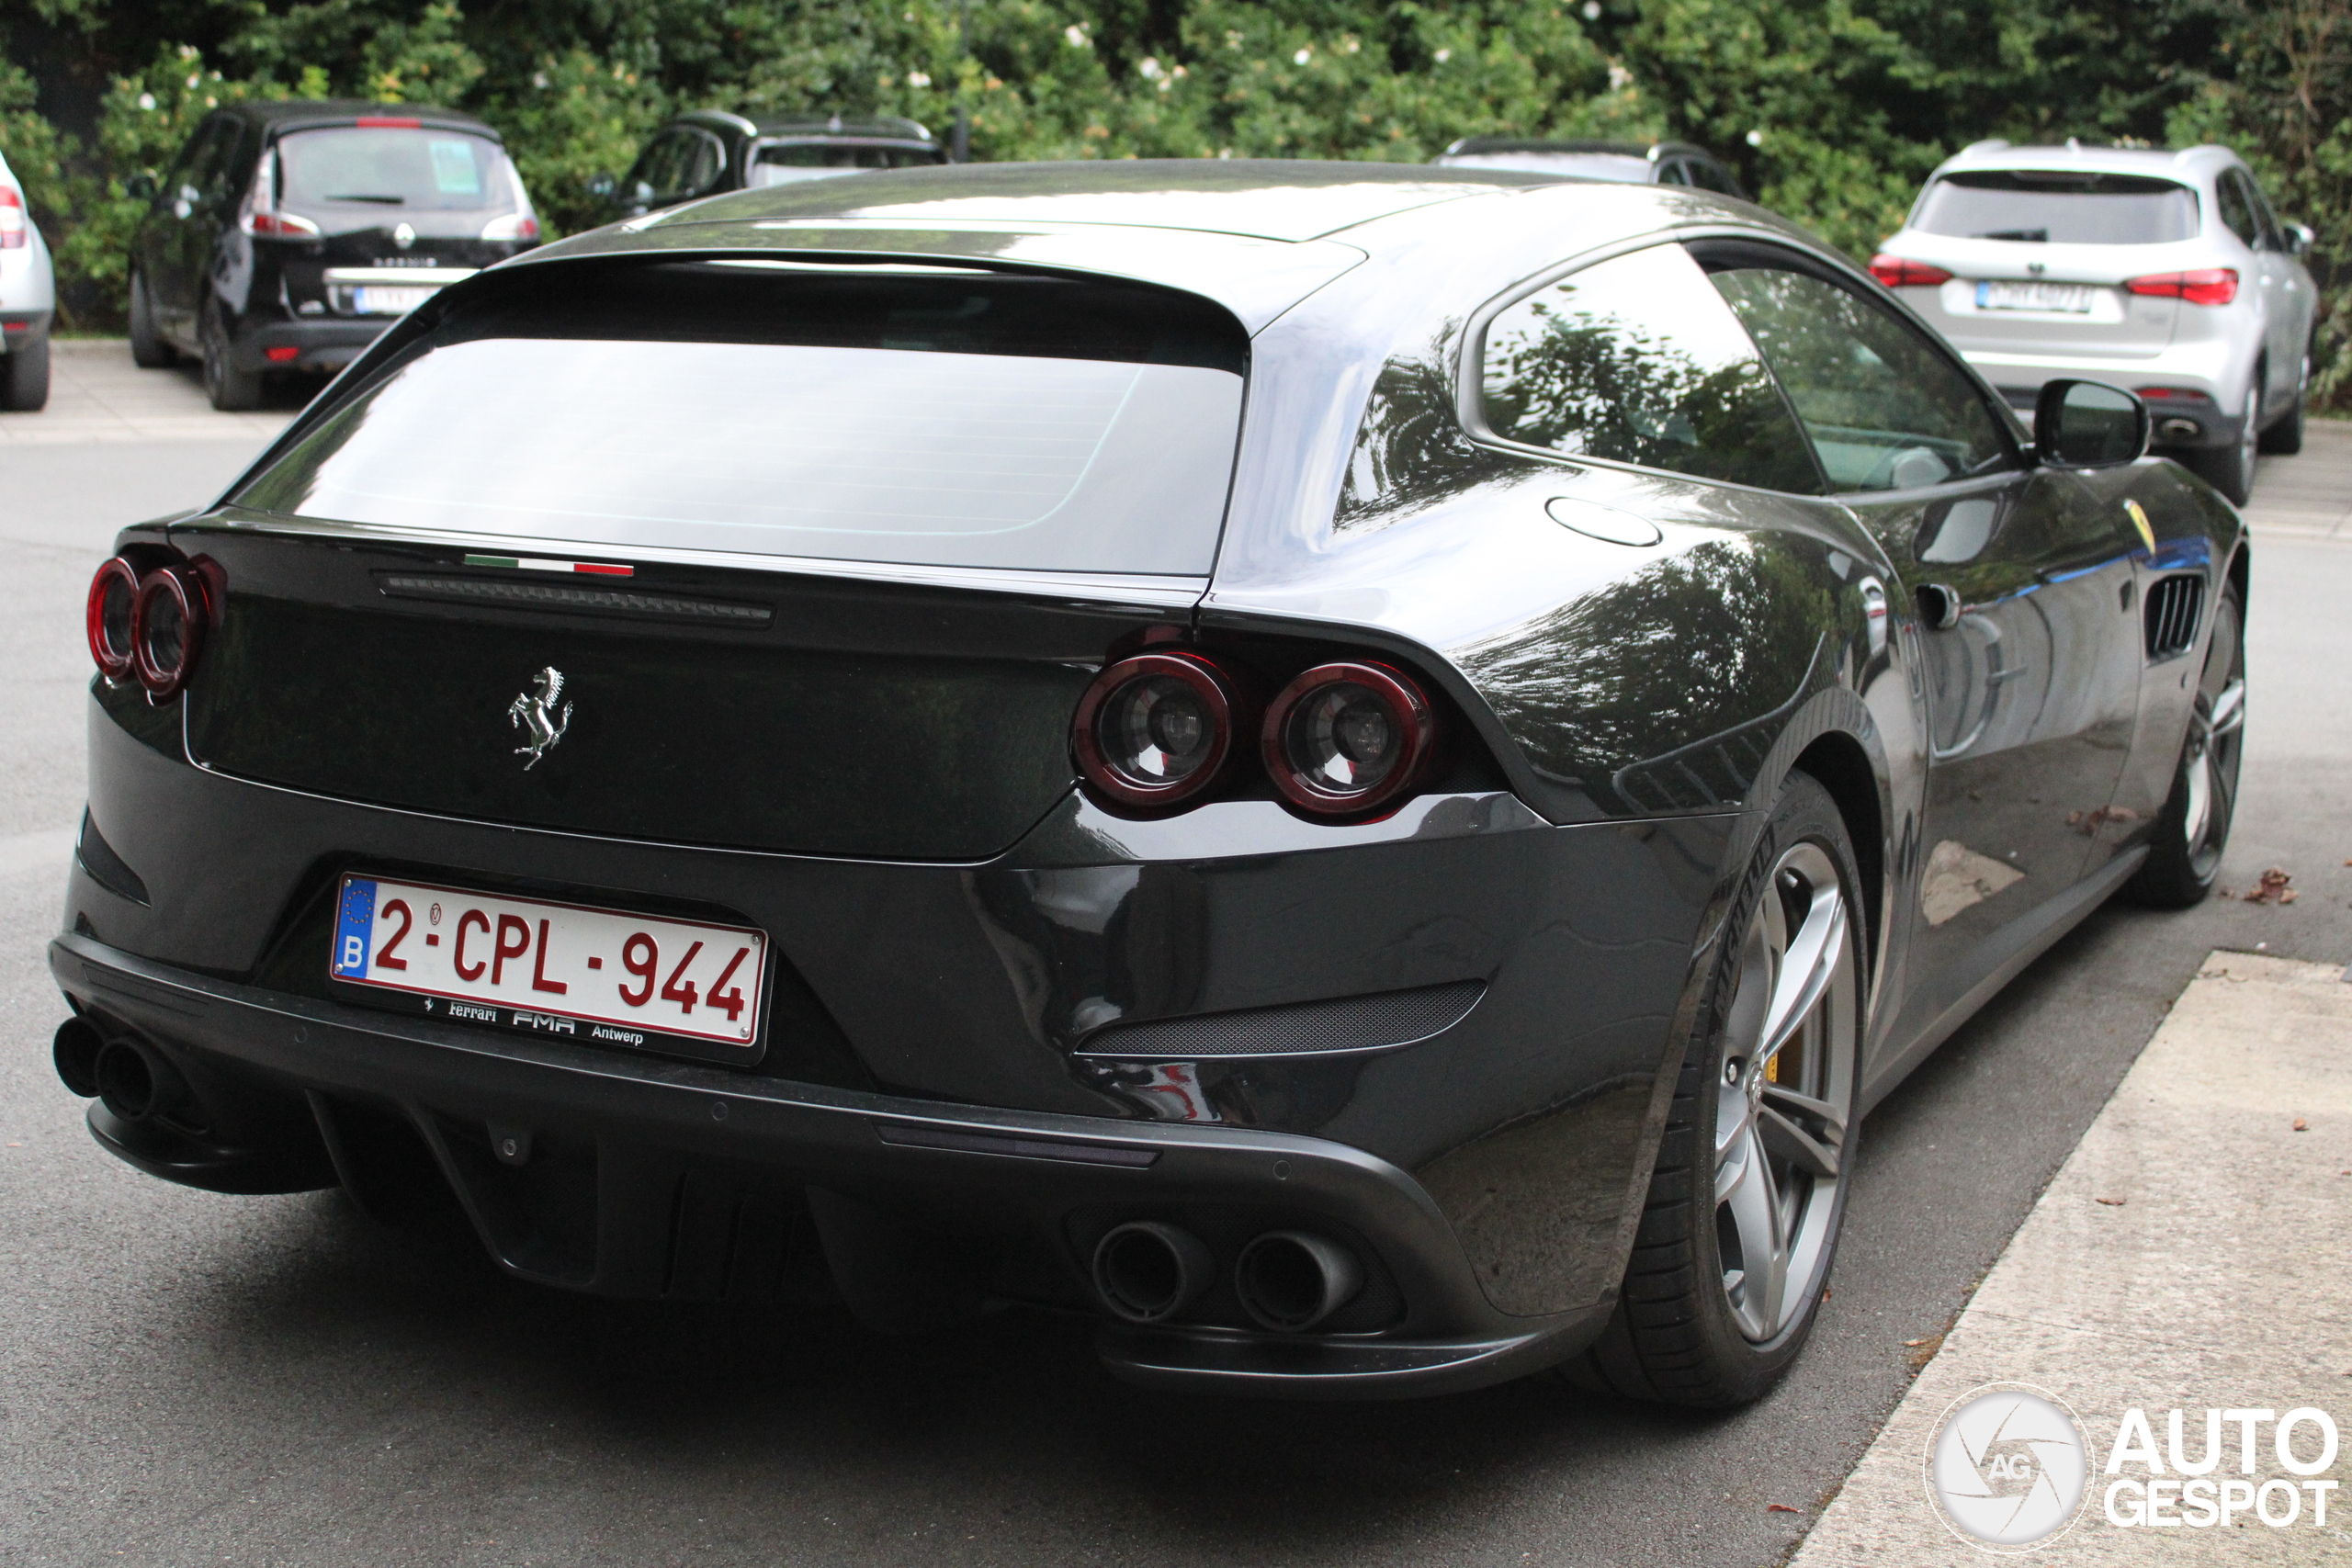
[1358,773]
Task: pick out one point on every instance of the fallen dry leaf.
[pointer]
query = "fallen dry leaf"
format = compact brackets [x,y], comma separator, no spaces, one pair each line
[2111,1203]
[2273,888]
[1778,1509]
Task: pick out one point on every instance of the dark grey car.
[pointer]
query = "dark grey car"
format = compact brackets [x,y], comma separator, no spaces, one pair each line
[1633,163]
[710,152]
[1356,774]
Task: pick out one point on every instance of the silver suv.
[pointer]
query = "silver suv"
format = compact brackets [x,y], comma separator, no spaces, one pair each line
[2165,272]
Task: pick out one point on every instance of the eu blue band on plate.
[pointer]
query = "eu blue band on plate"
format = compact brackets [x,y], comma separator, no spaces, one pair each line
[354,925]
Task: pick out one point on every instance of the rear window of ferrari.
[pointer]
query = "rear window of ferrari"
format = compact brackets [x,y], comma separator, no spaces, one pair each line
[950,419]
[2058,206]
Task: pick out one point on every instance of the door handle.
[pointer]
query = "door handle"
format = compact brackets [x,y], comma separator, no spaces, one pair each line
[1939,605]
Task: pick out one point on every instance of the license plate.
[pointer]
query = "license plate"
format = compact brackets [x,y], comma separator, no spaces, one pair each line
[568,970]
[2071,298]
[373,301]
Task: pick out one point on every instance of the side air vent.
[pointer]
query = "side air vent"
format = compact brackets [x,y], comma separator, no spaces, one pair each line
[2173,604]
[1378,1022]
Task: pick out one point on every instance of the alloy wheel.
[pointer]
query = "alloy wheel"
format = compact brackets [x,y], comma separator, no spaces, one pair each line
[2216,735]
[2250,431]
[1785,1093]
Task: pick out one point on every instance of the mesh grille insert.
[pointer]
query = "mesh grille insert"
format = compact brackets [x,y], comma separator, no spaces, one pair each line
[1351,1023]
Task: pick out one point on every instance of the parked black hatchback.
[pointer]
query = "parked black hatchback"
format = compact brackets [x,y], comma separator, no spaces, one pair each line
[288,236]
[710,150]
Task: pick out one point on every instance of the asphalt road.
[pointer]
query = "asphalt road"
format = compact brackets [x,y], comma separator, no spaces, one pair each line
[193,1378]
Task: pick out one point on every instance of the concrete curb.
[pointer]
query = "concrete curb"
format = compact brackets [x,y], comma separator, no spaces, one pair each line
[2193,1253]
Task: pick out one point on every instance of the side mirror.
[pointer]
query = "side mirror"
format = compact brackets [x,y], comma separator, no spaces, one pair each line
[140,186]
[2088,424]
[601,186]
[2299,239]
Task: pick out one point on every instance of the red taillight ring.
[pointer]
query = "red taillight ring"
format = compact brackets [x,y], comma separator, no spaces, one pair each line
[1409,712]
[177,591]
[1218,698]
[114,662]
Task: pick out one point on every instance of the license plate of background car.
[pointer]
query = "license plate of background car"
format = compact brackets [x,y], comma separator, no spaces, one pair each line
[567,970]
[389,301]
[2073,299]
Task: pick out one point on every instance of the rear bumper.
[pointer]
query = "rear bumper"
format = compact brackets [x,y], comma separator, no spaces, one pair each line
[647,1178]
[323,345]
[2206,381]
[21,329]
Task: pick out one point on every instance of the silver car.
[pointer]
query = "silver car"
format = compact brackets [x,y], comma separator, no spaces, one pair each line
[2163,271]
[28,300]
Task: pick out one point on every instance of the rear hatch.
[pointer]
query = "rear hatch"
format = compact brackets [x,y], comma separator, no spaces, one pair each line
[403,208]
[792,562]
[2039,259]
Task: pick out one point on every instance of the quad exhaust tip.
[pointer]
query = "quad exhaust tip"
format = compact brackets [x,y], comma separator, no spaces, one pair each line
[128,1076]
[75,1050]
[1291,1281]
[1148,1272]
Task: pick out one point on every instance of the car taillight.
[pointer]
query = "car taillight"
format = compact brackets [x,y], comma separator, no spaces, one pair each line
[1156,728]
[2206,286]
[149,621]
[1347,738]
[113,593]
[1902,272]
[513,226]
[12,217]
[167,625]
[278,226]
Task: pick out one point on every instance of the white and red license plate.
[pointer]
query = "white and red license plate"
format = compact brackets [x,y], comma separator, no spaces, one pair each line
[601,976]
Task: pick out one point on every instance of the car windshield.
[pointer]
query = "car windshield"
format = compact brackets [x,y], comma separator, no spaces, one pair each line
[2058,206]
[415,169]
[780,162]
[997,422]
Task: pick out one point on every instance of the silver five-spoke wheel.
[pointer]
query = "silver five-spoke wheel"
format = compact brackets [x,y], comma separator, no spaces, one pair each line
[1786,1094]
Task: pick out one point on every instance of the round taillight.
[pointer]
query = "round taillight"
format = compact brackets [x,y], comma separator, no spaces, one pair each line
[1347,737]
[113,595]
[167,624]
[1156,728]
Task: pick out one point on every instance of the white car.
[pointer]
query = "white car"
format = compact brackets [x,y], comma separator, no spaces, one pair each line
[28,300]
[2165,272]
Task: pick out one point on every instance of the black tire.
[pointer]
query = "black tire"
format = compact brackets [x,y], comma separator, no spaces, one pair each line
[1676,1336]
[2185,851]
[148,350]
[2230,470]
[2285,438]
[23,377]
[231,390]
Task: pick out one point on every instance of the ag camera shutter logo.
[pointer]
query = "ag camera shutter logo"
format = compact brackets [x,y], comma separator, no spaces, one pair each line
[2008,1467]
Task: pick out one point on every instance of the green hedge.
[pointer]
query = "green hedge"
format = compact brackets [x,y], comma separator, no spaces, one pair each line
[1832,110]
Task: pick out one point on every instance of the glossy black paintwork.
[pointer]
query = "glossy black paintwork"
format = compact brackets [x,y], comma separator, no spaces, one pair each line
[1622,715]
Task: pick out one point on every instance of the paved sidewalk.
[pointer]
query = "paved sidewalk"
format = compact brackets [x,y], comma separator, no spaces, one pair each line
[95,393]
[2308,496]
[2195,1252]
